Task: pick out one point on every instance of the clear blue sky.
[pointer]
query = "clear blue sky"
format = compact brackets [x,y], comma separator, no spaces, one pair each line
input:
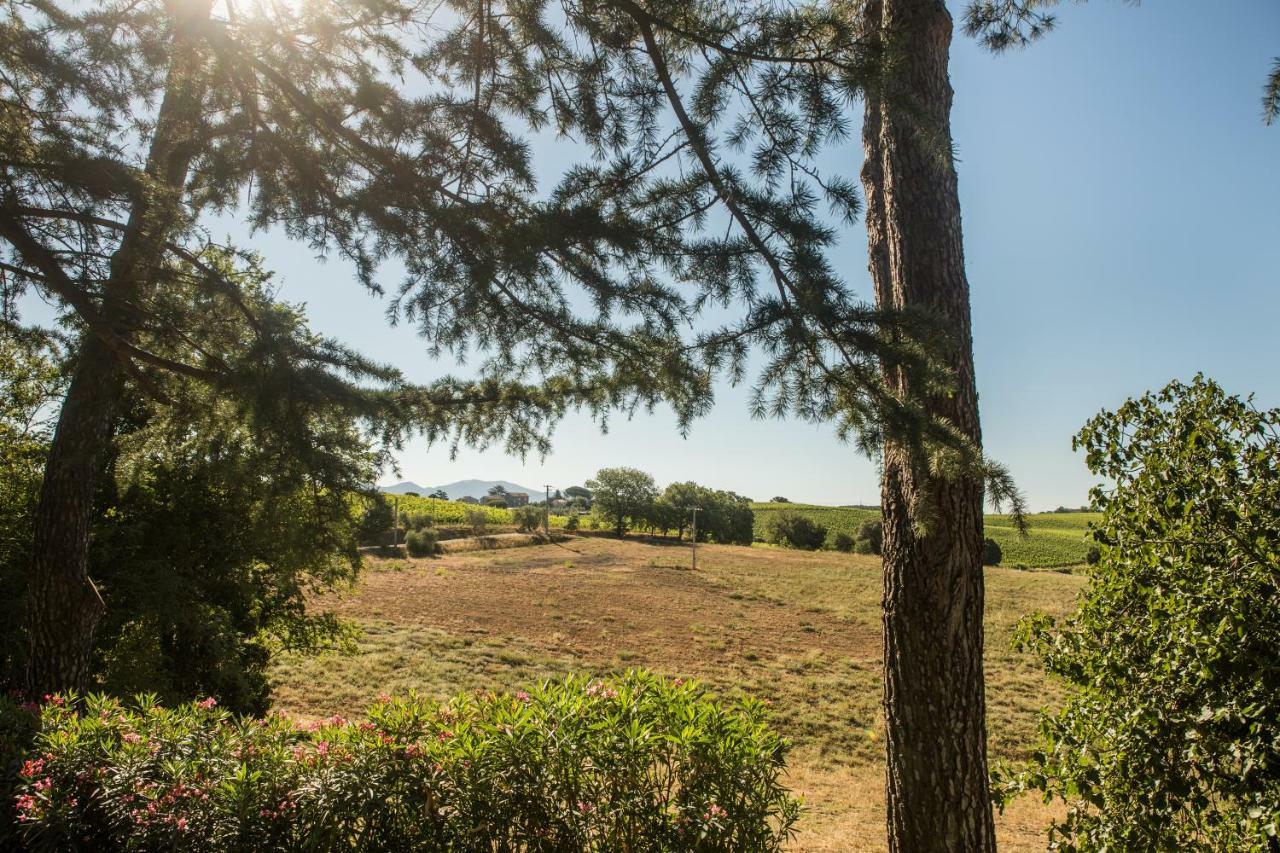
[1121,203]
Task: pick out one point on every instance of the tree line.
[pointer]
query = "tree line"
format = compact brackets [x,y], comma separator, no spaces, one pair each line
[629,499]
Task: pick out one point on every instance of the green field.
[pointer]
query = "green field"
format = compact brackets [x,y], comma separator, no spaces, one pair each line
[1055,539]
[455,513]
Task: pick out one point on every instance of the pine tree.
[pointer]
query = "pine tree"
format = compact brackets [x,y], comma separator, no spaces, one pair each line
[935,712]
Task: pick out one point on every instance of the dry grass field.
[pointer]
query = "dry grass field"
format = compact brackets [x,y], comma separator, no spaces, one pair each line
[800,629]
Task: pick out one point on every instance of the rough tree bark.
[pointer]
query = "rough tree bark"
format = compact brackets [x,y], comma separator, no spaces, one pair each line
[63,606]
[934,699]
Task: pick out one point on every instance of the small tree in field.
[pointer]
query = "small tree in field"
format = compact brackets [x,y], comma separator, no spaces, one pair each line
[795,530]
[1171,738]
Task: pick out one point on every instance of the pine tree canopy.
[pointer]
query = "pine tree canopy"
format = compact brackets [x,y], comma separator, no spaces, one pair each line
[396,136]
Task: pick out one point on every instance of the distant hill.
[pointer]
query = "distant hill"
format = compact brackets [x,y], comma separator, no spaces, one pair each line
[463,488]
[406,486]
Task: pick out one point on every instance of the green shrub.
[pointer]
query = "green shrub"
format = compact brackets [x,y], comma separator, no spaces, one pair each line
[527,518]
[1170,737]
[421,543]
[477,520]
[992,553]
[638,763]
[870,536]
[1093,555]
[843,542]
[796,531]
[571,524]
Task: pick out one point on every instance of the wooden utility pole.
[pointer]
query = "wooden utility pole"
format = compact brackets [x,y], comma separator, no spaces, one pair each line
[694,528]
[546,513]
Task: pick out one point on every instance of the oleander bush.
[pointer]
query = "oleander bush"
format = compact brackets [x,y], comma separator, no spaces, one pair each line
[633,763]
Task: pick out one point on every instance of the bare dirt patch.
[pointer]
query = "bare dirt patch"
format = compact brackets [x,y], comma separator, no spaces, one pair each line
[600,598]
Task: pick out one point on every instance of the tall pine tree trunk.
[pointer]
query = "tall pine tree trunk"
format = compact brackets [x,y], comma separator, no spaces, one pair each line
[63,605]
[933,587]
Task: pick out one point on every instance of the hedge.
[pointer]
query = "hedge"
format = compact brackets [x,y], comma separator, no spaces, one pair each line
[635,763]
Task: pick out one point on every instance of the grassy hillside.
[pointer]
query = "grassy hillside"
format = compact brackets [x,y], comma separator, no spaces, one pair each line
[1055,539]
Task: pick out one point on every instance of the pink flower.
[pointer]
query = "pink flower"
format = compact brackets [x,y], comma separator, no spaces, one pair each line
[322,748]
[44,784]
[131,737]
[586,807]
[30,707]
[56,701]
[206,703]
[33,767]
[26,807]
[384,698]
[714,812]
[522,696]
[445,734]
[181,823]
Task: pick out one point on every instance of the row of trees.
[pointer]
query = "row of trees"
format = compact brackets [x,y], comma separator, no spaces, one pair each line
[627,498]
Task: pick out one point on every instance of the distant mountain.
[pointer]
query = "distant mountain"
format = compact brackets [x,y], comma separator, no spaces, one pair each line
[464,488]
[406,486]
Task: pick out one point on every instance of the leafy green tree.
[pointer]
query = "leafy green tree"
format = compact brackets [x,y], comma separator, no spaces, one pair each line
[577,492]
[1171,736]
[377,518]
[795,530]
[31,380]
[992,553]
[679,498]
[622,496]
[440,495]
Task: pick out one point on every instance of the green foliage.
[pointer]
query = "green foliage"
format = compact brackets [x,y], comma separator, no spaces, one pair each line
[622,496]
[870,536]
[636,762]
[992,553]
[1171,737]
[796,530]
[723,517]
[1093,556]
[478,520]
[30,381]
[376,519]
[446,513]
[571,524]
[527,518]
[1054,540]
[843,542]
[421,543]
